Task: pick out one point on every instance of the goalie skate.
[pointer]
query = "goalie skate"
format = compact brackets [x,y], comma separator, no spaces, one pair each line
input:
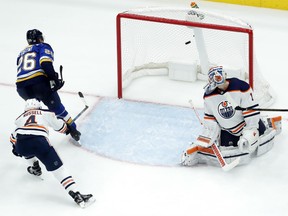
[82,200]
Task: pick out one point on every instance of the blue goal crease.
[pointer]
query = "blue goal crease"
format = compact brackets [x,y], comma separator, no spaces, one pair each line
[140,132]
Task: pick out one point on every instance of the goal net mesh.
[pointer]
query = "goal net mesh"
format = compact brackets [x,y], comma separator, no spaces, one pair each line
[185,43]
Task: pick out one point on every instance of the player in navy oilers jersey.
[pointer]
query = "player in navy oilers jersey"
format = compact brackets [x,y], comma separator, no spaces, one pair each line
[30,140]
[36,77]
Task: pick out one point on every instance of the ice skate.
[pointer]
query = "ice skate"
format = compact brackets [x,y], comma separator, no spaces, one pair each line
[82,200]
[35,169]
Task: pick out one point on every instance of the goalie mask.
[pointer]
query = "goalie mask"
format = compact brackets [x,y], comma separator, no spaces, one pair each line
[216,77]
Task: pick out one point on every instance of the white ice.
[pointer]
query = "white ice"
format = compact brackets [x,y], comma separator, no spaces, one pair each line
[82,33]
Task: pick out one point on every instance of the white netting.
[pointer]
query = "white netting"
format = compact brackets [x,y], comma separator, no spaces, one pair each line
[153,37]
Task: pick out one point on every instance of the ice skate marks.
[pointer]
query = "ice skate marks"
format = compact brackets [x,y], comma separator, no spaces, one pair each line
[139,132]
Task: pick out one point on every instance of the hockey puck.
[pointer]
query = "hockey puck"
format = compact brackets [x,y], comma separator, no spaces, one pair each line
[188,42]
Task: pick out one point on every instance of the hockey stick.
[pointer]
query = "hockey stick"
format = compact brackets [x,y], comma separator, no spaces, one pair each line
[80,95]
[261,109]
[224,165]
[78,143]
[84,109]
[61,71]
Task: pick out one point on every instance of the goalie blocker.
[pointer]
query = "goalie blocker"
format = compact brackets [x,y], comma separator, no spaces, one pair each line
[200,154]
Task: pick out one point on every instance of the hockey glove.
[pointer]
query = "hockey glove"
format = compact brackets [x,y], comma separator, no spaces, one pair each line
[248,141]
[13,142]
[56,83]
[15,152]
[75,134]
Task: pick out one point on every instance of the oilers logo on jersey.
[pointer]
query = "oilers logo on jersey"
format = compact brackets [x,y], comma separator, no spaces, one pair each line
[225,110]
[218,107]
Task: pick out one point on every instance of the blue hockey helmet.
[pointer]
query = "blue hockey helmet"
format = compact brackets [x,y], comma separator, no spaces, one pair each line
[34,36]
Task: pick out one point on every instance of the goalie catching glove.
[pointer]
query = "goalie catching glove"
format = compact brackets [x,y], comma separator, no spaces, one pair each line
[248,141]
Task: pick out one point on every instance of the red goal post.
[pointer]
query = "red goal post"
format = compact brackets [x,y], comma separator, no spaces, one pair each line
[190,40]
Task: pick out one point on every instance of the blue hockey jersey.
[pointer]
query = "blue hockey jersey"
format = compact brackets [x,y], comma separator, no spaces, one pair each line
[29,61]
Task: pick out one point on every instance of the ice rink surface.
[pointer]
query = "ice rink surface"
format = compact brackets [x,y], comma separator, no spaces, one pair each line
[83,36]
[138,132]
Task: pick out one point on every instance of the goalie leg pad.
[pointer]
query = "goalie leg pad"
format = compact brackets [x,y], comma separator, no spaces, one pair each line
[266,141]
[274,122]
[229,154]
[206,155]
[248,141]
[190,156]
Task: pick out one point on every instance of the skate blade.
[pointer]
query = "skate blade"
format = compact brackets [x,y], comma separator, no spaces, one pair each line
[87,203]
[76,143]
[38,177]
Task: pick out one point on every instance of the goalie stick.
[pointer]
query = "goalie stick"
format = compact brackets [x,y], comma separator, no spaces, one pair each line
[224,165]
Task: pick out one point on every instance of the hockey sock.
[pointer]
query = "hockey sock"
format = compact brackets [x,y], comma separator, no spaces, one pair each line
[63,114]
[30,161]
[65,179]
[70,122]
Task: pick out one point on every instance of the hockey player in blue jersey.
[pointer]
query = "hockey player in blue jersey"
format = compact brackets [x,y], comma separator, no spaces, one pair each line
[36,77]
[30,140]
[237,132]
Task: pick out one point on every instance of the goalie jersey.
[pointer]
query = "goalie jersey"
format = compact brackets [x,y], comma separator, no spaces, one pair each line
[219,107]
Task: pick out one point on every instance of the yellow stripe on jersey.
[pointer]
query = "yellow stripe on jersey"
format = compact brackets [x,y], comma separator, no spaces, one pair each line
[40,73]
[45,60]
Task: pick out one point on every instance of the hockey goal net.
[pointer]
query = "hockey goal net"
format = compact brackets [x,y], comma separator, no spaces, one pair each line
[183,44]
